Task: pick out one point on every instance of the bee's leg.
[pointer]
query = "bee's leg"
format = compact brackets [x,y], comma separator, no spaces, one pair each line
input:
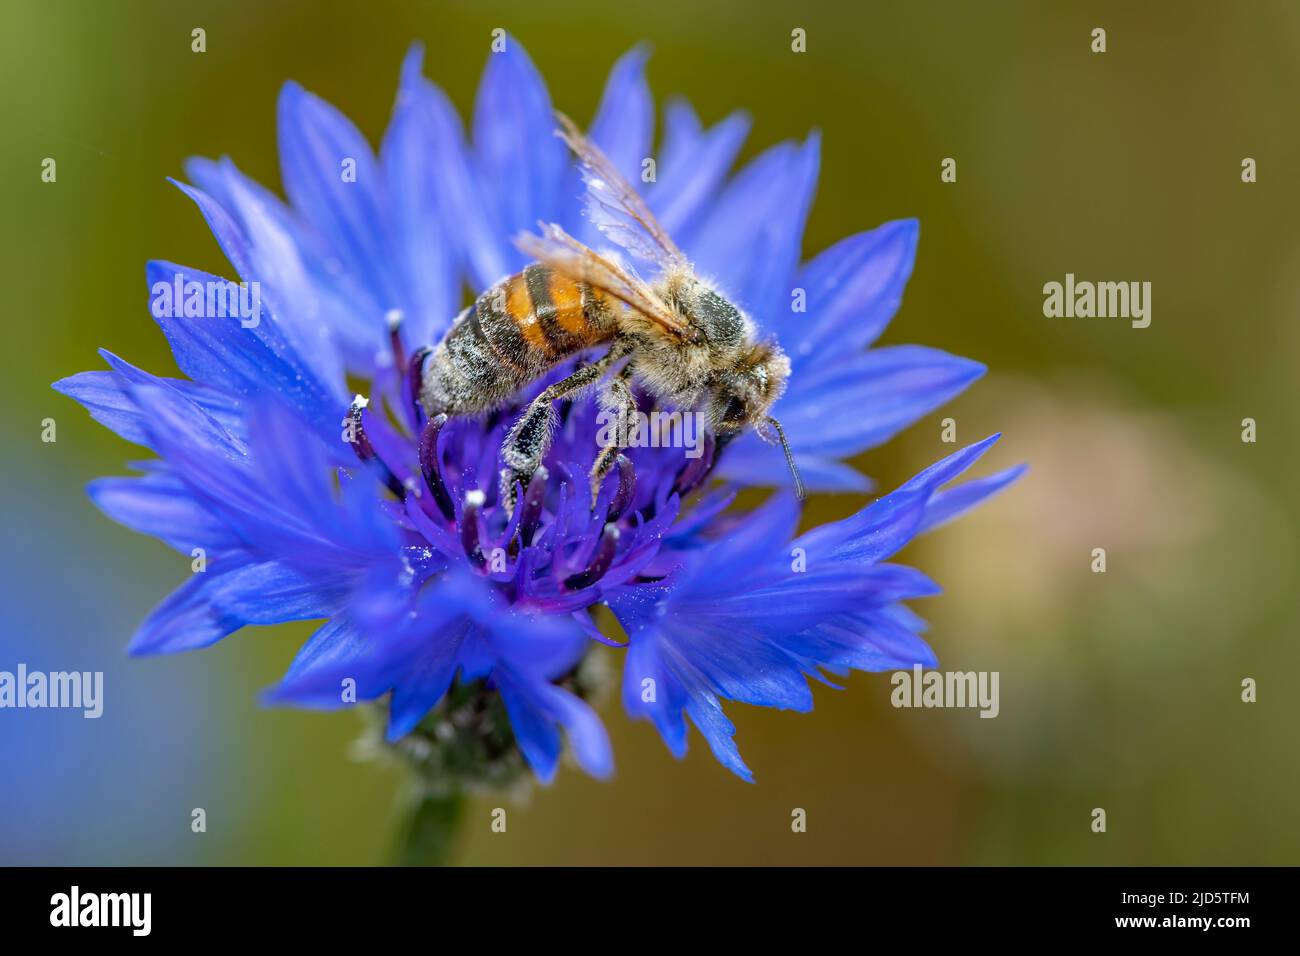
[525,445]
[617,403]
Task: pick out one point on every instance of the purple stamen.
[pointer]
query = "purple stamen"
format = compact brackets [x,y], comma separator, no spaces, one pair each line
[430,467]
[531,510]
[354,434]
[695,471]
[604,557]
[365,452]
[411,386]
[469,532]
[626,485]
[508,538]
[393,317]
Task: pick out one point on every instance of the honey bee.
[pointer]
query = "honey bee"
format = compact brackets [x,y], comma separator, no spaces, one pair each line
[684,343]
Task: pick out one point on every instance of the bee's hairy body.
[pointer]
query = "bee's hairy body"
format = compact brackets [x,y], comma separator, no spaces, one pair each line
[530,322]
[683,341]
[513,333]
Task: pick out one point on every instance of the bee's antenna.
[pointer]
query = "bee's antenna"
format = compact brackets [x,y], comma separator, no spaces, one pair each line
[799,491]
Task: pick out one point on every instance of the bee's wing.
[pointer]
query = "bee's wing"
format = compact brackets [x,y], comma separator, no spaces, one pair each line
[560,251]
[614,205]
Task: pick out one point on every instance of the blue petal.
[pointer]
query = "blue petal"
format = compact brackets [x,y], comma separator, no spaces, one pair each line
[319,149]
[660,691]
[278,498]
[159,504]
[161,406]
[623,128]
[868,641]
[953,502]
[248,362]
[334,643]
[537,709]
[693,167]
[885,526]
[485,251]
[538,644]
[456,624]
[106,395]
[184,621]
[651,692]
[625,120]
[753,462]
[866,399]
[377,659]
[760,532]
[228,233]
[750,241]
[232,592]
[719,732]
[520,159]
[424,684]
[258,243]
[736,663]
[757,633]
[846,408]
[421,149]
[852,291]
[327,314]
[103,395]
[946,469]
[295,473]
[269,593]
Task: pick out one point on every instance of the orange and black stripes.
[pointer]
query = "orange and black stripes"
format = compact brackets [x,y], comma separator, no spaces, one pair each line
[538,317]
[557,306]
[515,331]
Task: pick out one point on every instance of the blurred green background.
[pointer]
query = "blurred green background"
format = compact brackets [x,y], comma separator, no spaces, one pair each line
[1119,690]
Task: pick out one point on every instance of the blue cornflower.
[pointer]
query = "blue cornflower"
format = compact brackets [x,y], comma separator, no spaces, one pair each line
[312,504]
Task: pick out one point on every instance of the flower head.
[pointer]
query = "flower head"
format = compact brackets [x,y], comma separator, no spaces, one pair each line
[310,503]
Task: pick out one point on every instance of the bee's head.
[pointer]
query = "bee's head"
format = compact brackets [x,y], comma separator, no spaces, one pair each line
[748,387]
[744,393]
[723,327]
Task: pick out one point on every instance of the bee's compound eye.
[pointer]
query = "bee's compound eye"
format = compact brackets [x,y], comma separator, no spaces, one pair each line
[735,413]
[719,319]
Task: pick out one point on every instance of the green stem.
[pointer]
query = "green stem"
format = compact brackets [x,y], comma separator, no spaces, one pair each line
[430,829]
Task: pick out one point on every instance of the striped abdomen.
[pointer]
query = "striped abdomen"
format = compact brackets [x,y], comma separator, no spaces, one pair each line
[513,333]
